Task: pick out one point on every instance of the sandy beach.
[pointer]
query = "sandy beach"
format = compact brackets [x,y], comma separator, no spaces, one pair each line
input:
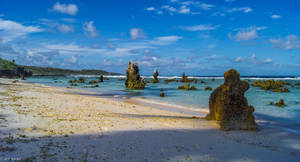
[39,122]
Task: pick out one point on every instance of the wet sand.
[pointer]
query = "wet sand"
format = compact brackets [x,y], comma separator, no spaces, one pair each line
[39,122]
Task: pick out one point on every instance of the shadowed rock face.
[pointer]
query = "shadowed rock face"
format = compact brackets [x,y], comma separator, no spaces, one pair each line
[228,105]
[100,79]
[134,81]
[155,76]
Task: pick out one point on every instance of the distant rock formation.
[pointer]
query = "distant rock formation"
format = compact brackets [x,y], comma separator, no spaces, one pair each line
[134,81]
[228,105]
[81,80]
[170,80]
[275,86]
[187,87]
[92,82]
[100,79]
[186,79]
[155,76]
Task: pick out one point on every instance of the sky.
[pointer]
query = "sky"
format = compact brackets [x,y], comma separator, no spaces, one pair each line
[198,37]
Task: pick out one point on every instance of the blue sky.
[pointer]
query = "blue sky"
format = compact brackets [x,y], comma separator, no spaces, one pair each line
[199,37]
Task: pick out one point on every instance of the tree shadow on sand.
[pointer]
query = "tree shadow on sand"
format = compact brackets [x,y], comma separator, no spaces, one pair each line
[153,145]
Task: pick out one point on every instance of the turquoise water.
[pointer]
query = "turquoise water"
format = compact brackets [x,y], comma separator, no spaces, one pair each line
[196,99]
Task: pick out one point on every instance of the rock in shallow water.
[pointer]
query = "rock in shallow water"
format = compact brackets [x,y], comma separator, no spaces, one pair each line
[280,103]
[228,105]
[155,76]
[134,81]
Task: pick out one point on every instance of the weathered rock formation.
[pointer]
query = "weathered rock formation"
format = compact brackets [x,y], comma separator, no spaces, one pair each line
[186,79]
[155,76]
[229,107]
[134,81]
[275,86]
[100,79]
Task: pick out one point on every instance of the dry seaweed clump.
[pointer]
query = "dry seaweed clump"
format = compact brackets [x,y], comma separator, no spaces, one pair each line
[186,79]
[280,103]
[228,105]
[134,80]
[275,86]
[187,87]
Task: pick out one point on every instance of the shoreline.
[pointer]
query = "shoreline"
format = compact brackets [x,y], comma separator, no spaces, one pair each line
[51,123]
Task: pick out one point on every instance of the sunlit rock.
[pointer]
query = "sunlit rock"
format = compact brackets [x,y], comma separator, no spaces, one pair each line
[228,105]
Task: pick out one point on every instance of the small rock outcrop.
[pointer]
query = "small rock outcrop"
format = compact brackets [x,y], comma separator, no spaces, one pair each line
[100,79]
[92,82]
[274,86]
[162,94]
[81,80]
[170,80]
[134,80]
[155,76]
[228,105]
[187,87]
[208,88]
[186,79]
[280,103]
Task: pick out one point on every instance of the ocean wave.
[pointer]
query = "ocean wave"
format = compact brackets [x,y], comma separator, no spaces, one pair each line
[193,77]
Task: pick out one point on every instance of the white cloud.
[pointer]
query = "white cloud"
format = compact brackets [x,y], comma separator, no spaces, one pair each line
[1,15]
[10,30]
[137,33]
[150,9]
[254,60]
[89,29]
[65,28]
[73,59]
[170,9]
[184,10]
[206,6]
[70,9]
[172,38]
[241,9]
[276,16]
[205,27]
[268,60]
[239,59]
[290,42]
[71,49]
[247,34]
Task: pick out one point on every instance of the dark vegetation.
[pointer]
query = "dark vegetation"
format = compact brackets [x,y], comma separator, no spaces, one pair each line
[9,69]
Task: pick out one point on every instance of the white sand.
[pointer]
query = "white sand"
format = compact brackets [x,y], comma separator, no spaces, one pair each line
[46,123]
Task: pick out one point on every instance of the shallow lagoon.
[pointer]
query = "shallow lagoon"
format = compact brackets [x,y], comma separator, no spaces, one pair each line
[260,99]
